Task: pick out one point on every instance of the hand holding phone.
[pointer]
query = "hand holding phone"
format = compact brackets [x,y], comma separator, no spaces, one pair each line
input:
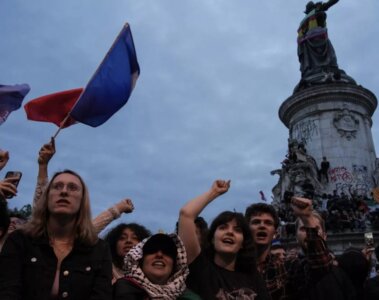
[13,178]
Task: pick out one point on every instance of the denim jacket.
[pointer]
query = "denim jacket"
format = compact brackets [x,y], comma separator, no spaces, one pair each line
[28,266]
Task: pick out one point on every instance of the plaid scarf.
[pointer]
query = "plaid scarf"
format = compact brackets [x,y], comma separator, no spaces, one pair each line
[175,285]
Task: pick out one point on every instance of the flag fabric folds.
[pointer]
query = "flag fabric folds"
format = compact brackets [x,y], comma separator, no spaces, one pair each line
[107,91]
[53,108]
[11,97]
[111,85]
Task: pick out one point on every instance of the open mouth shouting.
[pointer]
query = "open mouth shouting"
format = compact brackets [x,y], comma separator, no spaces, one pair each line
[261,236]
[159,264]
[228,241]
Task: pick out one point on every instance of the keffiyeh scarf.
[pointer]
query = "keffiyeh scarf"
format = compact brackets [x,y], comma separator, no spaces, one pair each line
[175,285]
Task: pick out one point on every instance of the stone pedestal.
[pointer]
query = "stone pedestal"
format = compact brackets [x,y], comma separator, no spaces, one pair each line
[334,121]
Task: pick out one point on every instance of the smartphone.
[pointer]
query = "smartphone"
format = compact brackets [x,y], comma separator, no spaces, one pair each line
[369,240]
[17,177]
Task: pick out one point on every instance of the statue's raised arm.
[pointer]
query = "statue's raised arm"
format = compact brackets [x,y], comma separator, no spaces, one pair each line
[326,5]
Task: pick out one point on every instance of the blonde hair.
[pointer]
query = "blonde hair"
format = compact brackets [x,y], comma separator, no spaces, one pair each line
[84,230]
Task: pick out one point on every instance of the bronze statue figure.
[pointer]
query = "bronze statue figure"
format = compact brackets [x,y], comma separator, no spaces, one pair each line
[318,61]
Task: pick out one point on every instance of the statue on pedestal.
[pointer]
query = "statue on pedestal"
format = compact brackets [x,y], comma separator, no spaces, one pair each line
[318,61]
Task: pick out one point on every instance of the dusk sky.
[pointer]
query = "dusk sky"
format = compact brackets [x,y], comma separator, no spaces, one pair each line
[213,75]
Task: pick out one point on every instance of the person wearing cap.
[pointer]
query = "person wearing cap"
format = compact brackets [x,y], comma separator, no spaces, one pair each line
[226,269]
[278,250]
[156,268]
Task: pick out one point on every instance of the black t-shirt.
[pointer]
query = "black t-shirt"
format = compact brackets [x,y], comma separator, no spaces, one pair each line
[210,282]
[372,288]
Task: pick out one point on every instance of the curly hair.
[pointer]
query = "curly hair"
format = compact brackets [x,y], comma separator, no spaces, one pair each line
[114,235]
[85,232]
[245,260]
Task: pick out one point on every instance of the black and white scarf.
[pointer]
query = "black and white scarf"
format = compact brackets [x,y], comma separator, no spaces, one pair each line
[175,285]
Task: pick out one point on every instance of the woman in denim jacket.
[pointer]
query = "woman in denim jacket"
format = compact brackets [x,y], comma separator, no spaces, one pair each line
[57,254]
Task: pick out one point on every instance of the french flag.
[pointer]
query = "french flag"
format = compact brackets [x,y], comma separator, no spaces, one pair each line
[107,91]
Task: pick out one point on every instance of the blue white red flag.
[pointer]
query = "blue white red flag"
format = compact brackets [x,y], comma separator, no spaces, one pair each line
[110,87]
[108,90]
[11,97]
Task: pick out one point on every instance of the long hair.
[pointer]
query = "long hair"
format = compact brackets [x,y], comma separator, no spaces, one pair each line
[202,226]
[84,230]
[114,235]
[245,258]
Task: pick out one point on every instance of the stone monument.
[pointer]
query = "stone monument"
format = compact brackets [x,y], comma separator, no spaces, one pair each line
[330,144]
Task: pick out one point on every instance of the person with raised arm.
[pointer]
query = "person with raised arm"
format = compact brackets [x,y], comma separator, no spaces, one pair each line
[45,154]
[226,268]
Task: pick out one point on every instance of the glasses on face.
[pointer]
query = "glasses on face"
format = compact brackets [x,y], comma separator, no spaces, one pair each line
[71,187]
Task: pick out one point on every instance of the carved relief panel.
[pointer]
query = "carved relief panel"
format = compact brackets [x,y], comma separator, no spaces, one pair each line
[346,123]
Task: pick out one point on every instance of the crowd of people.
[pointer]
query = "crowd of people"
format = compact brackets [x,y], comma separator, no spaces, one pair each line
[57,252]
[341,213]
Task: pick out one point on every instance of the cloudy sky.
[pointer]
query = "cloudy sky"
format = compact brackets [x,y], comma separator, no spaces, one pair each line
[213,75]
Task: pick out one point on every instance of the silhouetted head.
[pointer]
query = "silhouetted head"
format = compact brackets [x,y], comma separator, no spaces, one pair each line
[308,8]
[356,266]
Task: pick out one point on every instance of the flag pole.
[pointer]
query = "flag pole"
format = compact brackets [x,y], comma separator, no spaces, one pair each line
[61,125]
[68,115]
